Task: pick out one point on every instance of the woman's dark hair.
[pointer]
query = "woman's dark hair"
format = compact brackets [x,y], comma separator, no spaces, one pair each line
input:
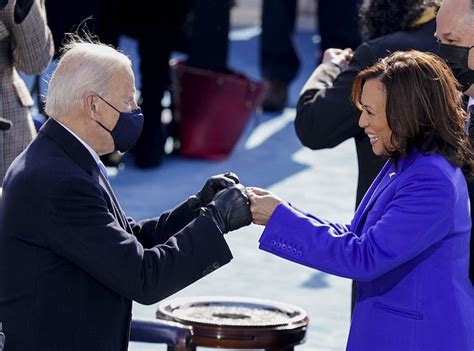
[423,106]
[381,17]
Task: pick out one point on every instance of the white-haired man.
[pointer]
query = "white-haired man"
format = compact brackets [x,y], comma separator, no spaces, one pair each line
[71,262]
[455,32]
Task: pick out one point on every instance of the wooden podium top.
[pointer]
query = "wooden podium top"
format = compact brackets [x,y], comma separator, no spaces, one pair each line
[238,322]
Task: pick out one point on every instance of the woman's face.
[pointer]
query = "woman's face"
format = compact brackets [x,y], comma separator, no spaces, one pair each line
[373,118]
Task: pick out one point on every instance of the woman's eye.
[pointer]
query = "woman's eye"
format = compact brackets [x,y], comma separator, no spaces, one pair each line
[367,111]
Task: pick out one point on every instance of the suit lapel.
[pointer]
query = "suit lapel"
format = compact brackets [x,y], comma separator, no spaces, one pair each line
[79,154]
[114,205]
[69,143]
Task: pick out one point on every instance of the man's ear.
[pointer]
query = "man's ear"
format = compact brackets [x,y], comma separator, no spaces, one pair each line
[89,100]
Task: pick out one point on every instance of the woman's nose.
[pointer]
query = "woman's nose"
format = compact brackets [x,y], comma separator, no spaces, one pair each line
[363,123]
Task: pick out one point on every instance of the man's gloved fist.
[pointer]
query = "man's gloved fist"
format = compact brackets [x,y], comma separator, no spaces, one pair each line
[230,209]
[211,188]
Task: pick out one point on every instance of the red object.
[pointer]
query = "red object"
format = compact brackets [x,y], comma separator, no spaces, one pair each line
[212,109]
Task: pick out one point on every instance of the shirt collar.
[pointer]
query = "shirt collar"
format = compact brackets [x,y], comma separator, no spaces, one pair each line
[91,150]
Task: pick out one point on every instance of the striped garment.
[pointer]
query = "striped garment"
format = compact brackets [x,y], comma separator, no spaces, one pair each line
[27,47]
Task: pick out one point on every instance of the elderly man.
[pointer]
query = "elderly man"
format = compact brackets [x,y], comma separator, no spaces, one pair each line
[455,32]
[71,262]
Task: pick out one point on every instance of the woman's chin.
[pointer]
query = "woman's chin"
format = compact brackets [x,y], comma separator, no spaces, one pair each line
[378,151]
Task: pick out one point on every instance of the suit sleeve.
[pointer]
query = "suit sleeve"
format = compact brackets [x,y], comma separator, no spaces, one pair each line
[32,43]
[82,231]
[156,231]
[325,114]
[419,215]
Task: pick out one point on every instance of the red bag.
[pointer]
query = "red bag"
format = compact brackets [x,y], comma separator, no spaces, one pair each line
[212,109]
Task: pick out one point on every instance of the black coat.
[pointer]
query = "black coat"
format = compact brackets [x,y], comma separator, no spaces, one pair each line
[71,262]
[325,114]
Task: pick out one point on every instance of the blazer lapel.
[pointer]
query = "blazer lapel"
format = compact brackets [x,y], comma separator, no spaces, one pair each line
[386,176]
[389,175]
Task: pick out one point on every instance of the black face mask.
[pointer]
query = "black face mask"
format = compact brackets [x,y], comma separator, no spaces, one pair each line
[457,58]
[128,128]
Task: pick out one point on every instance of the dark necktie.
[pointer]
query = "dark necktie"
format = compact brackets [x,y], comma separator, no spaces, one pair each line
[105,177]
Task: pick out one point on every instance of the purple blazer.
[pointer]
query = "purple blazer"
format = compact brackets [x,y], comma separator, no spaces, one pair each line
[408,249]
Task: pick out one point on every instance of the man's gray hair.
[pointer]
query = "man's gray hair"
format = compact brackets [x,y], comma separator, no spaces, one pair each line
[84,66]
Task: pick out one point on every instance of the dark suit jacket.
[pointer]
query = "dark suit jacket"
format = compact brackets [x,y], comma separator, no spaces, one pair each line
[325,114]
[71,262]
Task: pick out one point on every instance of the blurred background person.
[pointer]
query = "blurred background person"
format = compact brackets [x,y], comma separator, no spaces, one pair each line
[26,45]
[100,17]
[337,22]
[325,114]
[455,32]
[407,245]
[197,27]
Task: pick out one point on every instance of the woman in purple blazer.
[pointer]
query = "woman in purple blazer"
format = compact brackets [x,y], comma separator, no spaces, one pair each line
[408,244]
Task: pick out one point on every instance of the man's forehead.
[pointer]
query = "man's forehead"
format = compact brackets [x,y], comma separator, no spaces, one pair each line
[455,21]
[461,8]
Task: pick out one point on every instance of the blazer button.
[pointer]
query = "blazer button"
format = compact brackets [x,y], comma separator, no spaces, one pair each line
[299,253]
[274,242]
[215,265]
[283,246]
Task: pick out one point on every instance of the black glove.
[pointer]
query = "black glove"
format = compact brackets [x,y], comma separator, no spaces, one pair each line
[5,124]
[230,209]
[22,8]
[211,188]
